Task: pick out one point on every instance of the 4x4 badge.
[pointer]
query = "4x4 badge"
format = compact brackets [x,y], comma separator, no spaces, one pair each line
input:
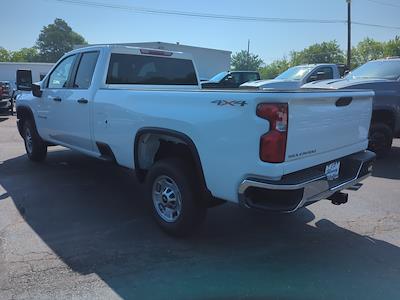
[229,102]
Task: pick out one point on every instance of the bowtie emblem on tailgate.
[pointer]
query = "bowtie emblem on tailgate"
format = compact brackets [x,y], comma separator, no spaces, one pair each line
[229,102]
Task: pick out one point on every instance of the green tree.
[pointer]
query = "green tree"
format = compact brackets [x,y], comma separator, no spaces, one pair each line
[366,50]
[274,69]
[4,54]
[245,61]
[56,39]
[25,55]
[326,52]
[392,47]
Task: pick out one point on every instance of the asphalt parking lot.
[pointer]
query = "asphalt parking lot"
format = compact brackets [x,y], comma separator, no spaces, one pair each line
[75,227]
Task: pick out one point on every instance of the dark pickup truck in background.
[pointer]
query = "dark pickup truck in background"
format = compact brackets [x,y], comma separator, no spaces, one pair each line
[383,77]
[230,79]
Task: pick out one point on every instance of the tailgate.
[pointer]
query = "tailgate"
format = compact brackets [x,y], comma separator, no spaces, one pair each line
[327,121]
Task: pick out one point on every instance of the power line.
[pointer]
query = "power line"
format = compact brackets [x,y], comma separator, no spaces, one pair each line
[214,16]
[384,3]
[375,25]
[195,14]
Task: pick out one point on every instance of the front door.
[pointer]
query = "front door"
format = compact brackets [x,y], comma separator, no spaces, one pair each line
[51,105]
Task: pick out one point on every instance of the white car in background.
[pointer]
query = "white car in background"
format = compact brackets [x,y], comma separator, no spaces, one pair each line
[294,77]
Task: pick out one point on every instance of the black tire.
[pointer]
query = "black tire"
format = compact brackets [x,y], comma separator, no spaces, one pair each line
[35,147]
[192,209]
[380,139]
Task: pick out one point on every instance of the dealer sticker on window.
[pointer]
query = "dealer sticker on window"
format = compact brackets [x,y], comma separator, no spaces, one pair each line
[332,170]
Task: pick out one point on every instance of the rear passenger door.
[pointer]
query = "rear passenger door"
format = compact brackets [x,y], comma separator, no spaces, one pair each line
[75,117]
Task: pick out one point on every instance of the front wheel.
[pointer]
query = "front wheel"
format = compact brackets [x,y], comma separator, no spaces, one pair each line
[175,199]
[35,147]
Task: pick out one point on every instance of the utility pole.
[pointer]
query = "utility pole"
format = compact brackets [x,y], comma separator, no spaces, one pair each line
[348,33]
[248,54]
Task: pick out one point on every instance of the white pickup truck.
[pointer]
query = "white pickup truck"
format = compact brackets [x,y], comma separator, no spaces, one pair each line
[144,109]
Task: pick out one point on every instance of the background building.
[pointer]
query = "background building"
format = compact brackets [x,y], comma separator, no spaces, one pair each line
[8,70]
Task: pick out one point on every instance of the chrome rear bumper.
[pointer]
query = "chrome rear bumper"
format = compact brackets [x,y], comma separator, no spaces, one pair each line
[301,188]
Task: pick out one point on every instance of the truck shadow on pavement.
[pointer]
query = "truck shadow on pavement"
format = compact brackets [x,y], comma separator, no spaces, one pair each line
[389,166]
[92,215]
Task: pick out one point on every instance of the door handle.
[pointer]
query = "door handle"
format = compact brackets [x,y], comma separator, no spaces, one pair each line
[83,101]
[344,101]
[57,99]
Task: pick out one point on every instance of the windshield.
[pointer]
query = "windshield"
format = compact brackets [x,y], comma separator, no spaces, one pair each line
[218,77]
[295,73]
[383,69]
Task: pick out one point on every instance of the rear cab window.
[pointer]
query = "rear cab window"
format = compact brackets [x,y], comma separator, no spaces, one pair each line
[138,69]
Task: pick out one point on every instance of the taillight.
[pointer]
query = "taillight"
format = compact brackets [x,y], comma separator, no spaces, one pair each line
[273,143]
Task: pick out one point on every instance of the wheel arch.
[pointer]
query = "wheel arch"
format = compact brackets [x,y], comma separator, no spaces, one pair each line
[385,116]
[24,113]
[168,135]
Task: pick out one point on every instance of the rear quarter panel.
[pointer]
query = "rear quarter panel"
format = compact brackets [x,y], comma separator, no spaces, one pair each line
[226,135]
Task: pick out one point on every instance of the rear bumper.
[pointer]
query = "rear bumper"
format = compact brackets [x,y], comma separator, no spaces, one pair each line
[304,187]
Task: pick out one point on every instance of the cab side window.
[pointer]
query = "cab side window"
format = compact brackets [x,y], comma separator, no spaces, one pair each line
[58,79]
[236,78]
[85,71]
[328,73]
[321,73]
[250,77]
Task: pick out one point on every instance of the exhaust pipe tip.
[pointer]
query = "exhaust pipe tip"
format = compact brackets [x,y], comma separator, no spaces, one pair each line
[339,198]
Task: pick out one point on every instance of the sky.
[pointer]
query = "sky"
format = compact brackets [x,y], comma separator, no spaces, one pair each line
[269,40]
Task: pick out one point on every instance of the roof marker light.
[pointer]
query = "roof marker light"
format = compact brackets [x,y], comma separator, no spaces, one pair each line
[155,52]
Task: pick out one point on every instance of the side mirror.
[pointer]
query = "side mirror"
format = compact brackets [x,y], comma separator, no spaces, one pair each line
[36,90]
[24,80]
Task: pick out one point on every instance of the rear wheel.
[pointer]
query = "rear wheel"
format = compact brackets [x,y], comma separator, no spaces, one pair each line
[35,147]
[380,139]
[174,197]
